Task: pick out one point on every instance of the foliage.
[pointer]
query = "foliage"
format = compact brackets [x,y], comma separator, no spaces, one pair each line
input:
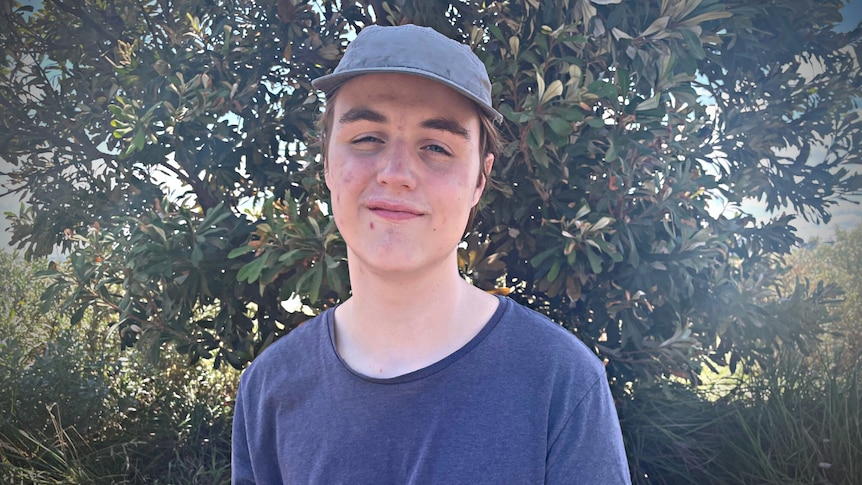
[803,426]
[175,421]
[838,263]
[39,354]
[797,421]
[19,308]
[170,150]
[78,410]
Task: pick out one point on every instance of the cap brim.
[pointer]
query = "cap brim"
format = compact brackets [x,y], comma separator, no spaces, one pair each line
[330,82]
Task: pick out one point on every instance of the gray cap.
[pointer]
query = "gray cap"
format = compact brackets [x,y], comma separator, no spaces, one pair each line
[420,51]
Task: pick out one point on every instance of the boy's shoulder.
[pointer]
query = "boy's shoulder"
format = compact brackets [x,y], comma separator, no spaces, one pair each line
[536,331]
[298,349]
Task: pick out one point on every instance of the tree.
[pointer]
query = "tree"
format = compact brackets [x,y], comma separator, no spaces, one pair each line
[625,122]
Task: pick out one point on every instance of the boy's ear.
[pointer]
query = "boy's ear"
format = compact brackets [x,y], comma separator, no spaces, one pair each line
[487,165]
[326,174]
[482,180]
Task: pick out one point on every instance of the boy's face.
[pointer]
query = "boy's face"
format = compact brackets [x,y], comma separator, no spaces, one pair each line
[403,167]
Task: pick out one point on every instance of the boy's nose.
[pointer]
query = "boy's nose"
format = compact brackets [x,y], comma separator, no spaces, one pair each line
[396,168]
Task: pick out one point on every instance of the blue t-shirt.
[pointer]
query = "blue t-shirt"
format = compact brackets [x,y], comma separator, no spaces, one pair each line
[523,402]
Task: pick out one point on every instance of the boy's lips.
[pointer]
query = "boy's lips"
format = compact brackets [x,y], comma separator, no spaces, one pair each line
[394,211]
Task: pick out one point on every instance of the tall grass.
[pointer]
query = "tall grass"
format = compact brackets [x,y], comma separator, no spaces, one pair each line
[798,422]
[670,434]
[801,424]
[63,456]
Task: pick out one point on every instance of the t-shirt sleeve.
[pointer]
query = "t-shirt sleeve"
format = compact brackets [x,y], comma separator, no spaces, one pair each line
[589,447]
[241,470]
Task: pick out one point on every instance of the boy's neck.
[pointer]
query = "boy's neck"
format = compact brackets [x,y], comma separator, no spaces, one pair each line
[396,324]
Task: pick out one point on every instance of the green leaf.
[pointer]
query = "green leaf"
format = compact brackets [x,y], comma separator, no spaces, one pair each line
[560,126]
[554,272]
[611,153]
[553,90]
[649,104]
[602,223]
[603,89]
[596,123]
[197,256]
[250,272]
[594,259]
[291,256]
[692,41]
[78,315]
[139,139]
[242,250]
[213,217]
[540,258]
[572,114]
[316,282]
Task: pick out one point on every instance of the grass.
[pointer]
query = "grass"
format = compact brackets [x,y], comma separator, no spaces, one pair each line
[799,422]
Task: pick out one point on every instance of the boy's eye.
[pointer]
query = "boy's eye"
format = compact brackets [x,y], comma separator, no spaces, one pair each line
[437,149]
[367,139]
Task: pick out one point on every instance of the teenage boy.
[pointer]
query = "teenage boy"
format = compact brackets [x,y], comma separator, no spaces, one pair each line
[419,377]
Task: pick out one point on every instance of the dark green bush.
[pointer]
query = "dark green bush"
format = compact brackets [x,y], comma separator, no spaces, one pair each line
[184,416]
[126,422]
[77,410]
[64,379]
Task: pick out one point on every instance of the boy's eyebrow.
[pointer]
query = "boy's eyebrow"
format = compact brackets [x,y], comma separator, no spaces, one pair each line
[447,124]
[362,113]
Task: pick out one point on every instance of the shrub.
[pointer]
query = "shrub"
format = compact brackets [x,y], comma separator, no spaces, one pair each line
[78,410]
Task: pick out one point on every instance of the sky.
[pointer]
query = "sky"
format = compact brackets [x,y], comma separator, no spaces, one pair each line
[846,215]
[7,204]
[852,13]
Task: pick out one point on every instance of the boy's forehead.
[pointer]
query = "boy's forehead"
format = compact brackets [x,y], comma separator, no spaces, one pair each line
[407,90]
[404,100]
